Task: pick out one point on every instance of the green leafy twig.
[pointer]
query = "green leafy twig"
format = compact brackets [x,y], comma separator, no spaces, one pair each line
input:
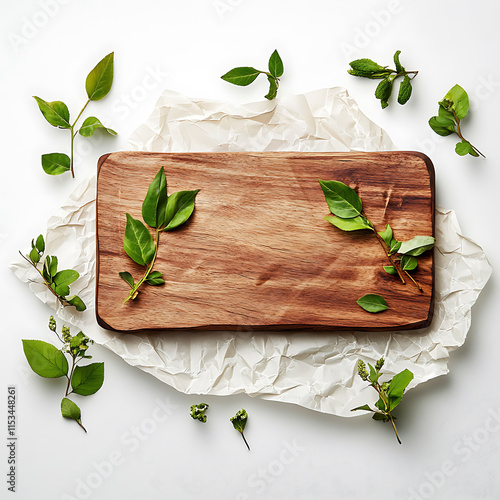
[347,209]
[390,393]
[239,422]
[98,84]
[369,69]
[198,412]
[56,281]
[452,110]
[49,362]
[162,213]
[245,75]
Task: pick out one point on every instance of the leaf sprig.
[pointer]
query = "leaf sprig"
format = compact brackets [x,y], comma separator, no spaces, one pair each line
[162,213]
[57,282]
[390,392]
[239,422]
[369,69]
[98,84]
[452,110]
[48,361]
[347,209]
[245,75]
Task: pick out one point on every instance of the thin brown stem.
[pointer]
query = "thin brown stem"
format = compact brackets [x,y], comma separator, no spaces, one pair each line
[416,283]
[459,133]
[389,257]
[243,436]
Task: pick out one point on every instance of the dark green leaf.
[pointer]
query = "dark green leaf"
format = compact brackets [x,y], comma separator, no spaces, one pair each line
[395,245]
[56,112]
[380,416]
[386,235]
[77,302]
[88,379]
[55,163]
[273,89]
[353,224]
[408,263]
[372,303]
[390,270]
[464,147]
[34,256]
[45,359]
[442,126]
[380,404]
[374,375]
[399,67]
[91,124]
[404,90]
[154,206]
[342,200]
[180,206]
[417,245]
[384,90]
[364,407]
[45,270]
[155,278]
[40,244]
[276,65]
[460,101]
[70,409]
[397,387]
[66,277]
[127,277]
[239,421]
[99,80]
[242,76]
[138,242]
[368,69]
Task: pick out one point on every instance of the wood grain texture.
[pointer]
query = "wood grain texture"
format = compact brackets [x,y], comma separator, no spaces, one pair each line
[257,252]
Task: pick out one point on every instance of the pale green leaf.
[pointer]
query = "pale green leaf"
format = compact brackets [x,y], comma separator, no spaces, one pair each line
[55,112]
[417,245]
[342,200]
[91,124]
[99,80]
[353,224]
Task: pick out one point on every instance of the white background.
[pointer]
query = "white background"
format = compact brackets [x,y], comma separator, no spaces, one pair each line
[141,441]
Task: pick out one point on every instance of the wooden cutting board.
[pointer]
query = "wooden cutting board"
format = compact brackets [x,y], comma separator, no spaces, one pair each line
[257,253]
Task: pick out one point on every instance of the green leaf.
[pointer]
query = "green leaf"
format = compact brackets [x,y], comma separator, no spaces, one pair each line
[40,244]
[442,126]
[138,242]
[71,410]
[276,65]
[53,267]
[399,67]
[390,270]
[364,407]
[380,416]
[180,206]
[56,112]
[395,245]
[128,278]
[273,88]
[368,69]
[239,421]
[445,114]
[91,124]
[374,375]
[242,76]
[397,387]
[464,147]
[342,200]
[87,379]
[45,359]
[34,256]
[384,90]
[77,302]
[405,90]
[61,290]
[380,405]
[55,163]
[372,303]
[408,263]
[66,277]
[386,235]
[99,80]
[154,206]
[457,100]
[353,224]
[155,278]
[417,245]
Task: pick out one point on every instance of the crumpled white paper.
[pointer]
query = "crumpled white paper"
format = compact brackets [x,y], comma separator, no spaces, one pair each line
[315,370]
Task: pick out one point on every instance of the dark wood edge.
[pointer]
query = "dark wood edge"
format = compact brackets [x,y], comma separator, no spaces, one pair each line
[285,328]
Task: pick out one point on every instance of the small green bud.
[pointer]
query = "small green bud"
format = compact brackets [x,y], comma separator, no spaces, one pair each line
[52,324]
[380,364]
[362,372]
[198,412]
[385,386]
[66,334]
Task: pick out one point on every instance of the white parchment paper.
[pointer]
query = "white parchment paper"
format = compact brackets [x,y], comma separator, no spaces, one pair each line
[315,370]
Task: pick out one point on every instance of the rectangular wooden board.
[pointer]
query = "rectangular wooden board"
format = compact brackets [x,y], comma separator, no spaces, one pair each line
[257,253]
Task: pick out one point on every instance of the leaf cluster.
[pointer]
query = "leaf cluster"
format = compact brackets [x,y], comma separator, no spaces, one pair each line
[367,68]
[48,361]
[452,109]
[97,85]
[163,213]
[198,412]
[390,392]
[57,282]
[347,209]
[245,75]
